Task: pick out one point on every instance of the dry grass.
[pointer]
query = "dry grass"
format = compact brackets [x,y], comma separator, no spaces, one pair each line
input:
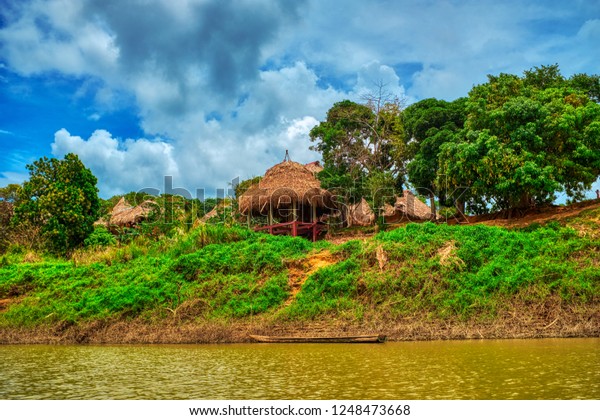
[31,257]
[381,256]
[518,320]
[447,255]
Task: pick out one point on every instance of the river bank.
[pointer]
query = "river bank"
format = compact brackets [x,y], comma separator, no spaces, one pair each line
[523,323]
[217,284]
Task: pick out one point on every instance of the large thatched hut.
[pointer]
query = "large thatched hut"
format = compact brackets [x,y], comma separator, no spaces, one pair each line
[288,192]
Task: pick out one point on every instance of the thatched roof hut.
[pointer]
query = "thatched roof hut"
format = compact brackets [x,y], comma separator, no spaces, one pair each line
[412,206]
[407,207]
[287,188]
[125,215]
[360,214]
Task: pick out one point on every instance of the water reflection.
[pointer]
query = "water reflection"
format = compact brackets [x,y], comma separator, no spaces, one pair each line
[503,369]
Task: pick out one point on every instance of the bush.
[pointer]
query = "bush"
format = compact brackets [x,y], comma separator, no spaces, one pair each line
[100,237]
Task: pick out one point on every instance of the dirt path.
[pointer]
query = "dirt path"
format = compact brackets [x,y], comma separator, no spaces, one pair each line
[299,271]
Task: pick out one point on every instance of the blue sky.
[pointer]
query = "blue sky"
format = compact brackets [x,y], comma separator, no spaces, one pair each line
[206,91]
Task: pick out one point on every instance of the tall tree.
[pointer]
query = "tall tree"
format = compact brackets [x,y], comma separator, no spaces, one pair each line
[61,197]
[9,197]
[525,139]
[429,124]
[358,141]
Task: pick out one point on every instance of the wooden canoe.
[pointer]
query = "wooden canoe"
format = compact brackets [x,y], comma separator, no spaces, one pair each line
[347,339]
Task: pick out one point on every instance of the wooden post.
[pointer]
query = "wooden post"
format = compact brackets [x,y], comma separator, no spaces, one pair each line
[270,212]
[248,217]
[294,218]
[313,208]
[294,213]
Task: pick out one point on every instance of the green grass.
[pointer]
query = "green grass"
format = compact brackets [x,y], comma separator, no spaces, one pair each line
[221,273]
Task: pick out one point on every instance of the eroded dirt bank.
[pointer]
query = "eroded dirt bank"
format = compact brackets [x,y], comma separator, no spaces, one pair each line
[544,321]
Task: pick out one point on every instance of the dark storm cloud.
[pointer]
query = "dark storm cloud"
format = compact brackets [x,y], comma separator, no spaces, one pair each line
[215,40]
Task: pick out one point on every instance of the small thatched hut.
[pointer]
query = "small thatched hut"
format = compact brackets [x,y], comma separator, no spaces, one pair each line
[360,214]
[289,192]
[125,215]
[407,207]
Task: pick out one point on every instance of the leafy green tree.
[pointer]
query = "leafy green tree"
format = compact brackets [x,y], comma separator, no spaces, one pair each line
[358,141]
[61,197]
[587,83]
[243,186]
[9,196]
[525,139]
[429,124]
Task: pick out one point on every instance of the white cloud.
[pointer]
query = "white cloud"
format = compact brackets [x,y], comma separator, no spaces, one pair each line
[227,88]
[56,36]
[120,166]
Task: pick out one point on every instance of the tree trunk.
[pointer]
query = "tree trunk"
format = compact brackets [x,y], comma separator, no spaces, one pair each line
[432,201]
[460,207]
[525,201]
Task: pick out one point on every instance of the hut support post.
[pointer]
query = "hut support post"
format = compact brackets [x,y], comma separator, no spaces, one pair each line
[270,213]
[248,218]
[294,217]
[294,210]
[313,216]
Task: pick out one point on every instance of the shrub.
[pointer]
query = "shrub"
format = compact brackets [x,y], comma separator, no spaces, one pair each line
[100,237]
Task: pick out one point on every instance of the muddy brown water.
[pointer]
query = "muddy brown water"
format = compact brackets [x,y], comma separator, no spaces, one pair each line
[491,369]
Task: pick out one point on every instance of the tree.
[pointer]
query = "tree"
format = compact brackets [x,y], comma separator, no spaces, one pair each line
[61,197]
[360,141]
[525,139]
[429,124]
[9,196]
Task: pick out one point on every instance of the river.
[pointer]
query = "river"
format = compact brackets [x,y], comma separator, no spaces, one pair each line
[486,369]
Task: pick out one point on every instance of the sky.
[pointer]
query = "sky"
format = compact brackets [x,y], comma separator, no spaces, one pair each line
[207,91]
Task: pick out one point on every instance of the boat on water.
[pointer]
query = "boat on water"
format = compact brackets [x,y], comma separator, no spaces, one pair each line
[379,338]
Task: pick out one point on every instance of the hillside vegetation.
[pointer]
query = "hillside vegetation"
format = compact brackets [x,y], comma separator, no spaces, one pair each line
[436,274]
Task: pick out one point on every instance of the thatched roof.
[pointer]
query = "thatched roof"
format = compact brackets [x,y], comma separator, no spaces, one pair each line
[360,214]
[412,206]
[283,183]
[315,167]
[389,210]
[123,214]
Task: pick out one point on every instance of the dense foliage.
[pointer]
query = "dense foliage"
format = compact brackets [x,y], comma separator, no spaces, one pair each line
[361,145]
[525,139]
[513,142]
[429,124]
[215,273]
[61,197]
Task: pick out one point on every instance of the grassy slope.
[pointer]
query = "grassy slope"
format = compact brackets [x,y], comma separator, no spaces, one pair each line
[213,274]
